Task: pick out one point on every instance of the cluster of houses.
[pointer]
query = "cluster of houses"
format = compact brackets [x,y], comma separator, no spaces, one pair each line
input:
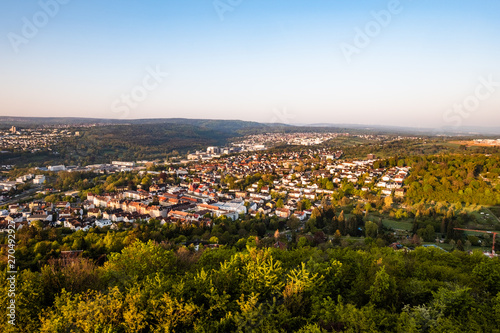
[212,152]
[388,180]
[393,179]
[31,140]
[6,186]
[487,142]
[260,141]
[37,180]
[224,187]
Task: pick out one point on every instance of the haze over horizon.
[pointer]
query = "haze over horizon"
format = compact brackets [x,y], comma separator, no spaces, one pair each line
[395,63]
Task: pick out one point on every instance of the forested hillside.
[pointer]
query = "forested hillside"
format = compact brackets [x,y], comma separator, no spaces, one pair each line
[103,140]
[456,178]
[101,144]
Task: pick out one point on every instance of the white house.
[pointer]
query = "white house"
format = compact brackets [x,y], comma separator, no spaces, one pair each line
[233,206]
[39,179]
[7,186]
[57,168]
[387,191]
[232,215]
[300,215]
[103,223]
[40,217]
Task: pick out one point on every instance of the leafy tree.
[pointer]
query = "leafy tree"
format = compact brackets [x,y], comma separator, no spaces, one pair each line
[371,229]
[382,291]
[279,203]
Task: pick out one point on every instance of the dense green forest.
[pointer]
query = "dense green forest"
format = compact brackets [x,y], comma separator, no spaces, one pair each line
[456,178]
[152,287]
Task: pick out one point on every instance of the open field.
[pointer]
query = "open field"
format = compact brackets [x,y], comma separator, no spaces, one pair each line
[495,210]
[478,144]
[485,217]
[398,225]
[449,247]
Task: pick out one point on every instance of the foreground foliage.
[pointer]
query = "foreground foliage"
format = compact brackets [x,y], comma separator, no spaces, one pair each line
[150,288]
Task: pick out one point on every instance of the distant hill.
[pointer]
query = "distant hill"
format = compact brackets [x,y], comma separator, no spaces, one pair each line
[426,131]
[146,139]
[138,139]
[228,126]
[6,121]
[232,127]
[251,127]
[36,121]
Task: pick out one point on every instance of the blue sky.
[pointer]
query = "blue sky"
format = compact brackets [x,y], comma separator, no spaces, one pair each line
[278,60]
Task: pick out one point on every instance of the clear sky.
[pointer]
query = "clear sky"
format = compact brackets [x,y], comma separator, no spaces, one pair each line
[291,61]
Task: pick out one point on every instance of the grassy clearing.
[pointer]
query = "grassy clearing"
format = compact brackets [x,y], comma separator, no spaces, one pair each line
[495,211]
[449,247]
[398,225]
[485,219]
[404,224]
[452,144]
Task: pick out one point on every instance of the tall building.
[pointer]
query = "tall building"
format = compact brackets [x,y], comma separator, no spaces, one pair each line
[213,150]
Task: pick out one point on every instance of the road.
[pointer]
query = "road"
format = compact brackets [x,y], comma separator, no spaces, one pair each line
[22,196]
